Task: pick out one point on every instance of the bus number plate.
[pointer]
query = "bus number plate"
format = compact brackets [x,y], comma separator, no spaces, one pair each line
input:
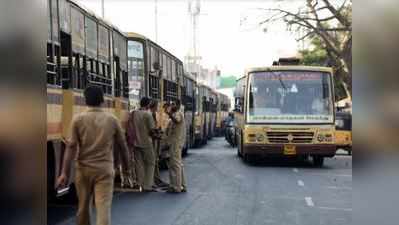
[289,150]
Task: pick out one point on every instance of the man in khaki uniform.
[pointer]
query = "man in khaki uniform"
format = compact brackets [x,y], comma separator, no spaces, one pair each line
[158,182]
[144,152]
[176,138]
[93,134]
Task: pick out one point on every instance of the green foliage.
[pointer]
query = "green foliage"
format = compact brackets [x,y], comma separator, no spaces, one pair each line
[318,56]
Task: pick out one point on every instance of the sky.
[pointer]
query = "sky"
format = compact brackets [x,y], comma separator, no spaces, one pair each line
[225,41]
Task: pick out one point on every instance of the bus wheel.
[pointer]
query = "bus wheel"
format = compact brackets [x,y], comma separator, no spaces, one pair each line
[318,161]
[184,151]
[239,147]
[238,152]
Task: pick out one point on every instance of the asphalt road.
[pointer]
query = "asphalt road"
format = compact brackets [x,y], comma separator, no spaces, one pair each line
[222,190]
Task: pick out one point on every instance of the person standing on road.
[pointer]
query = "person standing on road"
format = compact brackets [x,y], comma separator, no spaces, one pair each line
[176,138]
[136,168]
[158,182]
[93,134]
[144,127]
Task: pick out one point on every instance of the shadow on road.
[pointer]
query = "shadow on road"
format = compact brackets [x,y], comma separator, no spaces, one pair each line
[285,162]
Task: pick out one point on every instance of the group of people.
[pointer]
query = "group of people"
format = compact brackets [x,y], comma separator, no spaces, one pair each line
[95,133]
[145,137]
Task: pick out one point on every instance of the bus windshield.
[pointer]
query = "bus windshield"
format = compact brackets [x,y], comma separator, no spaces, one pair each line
[290,97]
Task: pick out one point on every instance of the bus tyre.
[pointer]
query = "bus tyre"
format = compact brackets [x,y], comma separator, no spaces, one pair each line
[318,161]
[184,151]
[238,152]
[239,147]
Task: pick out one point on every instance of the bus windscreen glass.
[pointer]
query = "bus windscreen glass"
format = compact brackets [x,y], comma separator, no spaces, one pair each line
[290,97]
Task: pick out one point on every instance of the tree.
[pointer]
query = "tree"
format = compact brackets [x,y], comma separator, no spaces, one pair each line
[326,22]
[318,56]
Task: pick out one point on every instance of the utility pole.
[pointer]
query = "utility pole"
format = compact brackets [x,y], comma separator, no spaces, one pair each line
[193,58]
[156,21]
[103,8]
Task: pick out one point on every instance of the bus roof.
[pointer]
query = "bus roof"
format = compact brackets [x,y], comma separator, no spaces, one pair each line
[136,35]
[140,36]
[290,68]
[100,20]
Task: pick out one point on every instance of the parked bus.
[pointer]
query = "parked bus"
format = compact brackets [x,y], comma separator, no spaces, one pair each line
[188,102]
[223,107]
[212,113]
[156,73]
[82,50]
[286,111]
[200,119]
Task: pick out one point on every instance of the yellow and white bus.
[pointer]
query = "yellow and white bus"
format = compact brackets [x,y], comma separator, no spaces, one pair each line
[223,106]
[286,111]
[82,50]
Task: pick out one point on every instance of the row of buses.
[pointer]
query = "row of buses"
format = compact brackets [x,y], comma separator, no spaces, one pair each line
[83,49]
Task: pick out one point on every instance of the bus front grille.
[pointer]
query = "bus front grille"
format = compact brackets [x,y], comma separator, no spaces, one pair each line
[290,137]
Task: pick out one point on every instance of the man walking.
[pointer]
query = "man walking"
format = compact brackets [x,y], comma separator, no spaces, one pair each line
[94,133]
[144,127]
[176,138]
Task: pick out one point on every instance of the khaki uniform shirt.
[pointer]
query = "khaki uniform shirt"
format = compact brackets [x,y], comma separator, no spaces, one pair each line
[177,131]
[95,132]
[144,124]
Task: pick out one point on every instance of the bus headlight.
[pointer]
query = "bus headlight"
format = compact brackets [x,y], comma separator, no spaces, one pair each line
[320,137]
[328,138]
[339,123]
[325,137]
[251,137]
[260,137]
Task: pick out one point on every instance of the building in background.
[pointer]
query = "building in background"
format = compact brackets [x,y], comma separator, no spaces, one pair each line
[209,77]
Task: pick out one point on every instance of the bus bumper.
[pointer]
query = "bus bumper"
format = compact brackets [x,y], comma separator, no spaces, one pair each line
[300,150]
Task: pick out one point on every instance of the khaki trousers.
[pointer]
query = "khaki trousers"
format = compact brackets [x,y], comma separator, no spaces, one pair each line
[98,184]
[145,167]
[176,170]
[157,174]
[132,166]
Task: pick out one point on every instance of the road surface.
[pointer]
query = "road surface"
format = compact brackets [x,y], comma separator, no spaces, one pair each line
[223,190]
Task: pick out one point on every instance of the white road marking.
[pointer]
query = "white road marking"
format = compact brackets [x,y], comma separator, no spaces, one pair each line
[337,209]
[301,183]
[339,188]
[295,170]
[330,174]
[309,201]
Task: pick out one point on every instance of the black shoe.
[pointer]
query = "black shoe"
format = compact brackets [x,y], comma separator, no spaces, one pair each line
[172,190]
[163,184]
[184,190]
[164,188]
[150,190]
[137,188]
